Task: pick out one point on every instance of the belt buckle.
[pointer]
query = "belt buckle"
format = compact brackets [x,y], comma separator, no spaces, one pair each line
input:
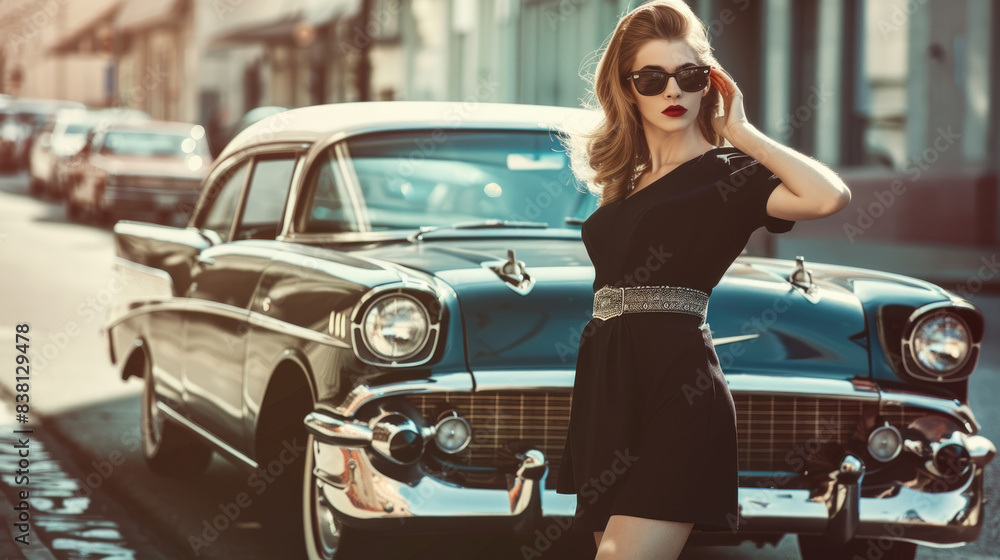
[604,312]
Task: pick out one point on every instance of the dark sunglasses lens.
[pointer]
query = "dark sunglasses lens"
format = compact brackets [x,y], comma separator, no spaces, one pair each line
[692,80]
[650,83]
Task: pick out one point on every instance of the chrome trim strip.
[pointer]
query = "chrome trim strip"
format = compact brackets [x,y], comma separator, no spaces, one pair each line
[399,235]
[258,319]
[334,431]
[212,438]
[562,380]
[195,305]
[183,304]
[362,394]
[953,407]
[739,383]
[731,339]
[293,196]
[788,385]
[352,186]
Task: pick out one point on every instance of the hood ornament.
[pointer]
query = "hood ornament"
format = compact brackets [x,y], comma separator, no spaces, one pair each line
[801,277]
[513,273]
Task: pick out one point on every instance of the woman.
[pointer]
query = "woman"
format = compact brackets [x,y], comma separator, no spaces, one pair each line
[651,451]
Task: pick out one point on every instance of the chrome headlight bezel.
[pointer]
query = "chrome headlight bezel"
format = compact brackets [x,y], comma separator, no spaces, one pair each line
[875,433]
[911,361]
[422,296]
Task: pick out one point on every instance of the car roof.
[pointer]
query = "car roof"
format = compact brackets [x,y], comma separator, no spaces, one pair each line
[318,122]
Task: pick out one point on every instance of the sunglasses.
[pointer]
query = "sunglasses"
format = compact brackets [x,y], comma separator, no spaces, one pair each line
[653,82]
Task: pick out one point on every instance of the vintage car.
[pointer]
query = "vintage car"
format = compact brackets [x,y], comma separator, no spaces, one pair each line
[22,119]
[53,154]
[139,166]
[60,137]
[403,286]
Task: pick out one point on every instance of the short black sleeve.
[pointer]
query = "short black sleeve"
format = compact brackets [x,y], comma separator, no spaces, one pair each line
[751,183]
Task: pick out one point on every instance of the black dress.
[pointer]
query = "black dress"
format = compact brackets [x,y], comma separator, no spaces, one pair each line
[653,425]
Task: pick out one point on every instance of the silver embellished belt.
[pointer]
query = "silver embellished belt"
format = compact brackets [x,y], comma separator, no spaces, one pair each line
[611,302]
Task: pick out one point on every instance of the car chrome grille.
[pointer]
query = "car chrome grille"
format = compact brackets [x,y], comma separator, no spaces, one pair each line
[769,427]
[504,422]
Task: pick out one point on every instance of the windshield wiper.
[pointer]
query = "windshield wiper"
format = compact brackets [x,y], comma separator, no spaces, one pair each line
[485,224]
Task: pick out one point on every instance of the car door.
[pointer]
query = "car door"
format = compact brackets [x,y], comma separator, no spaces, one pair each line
[248,208]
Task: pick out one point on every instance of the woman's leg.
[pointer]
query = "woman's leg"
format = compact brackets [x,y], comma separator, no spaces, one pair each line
[597,537]
[638,538]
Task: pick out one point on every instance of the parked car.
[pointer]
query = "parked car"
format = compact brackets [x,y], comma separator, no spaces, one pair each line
[69,136]
[62,136]
[13,141]
[31,115]
[139,167]
[403,288]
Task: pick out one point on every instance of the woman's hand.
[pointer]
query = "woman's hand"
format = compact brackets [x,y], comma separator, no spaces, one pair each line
[734,121]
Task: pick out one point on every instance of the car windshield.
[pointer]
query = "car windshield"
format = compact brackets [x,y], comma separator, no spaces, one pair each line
[143,143]
[410,179]
[76,128]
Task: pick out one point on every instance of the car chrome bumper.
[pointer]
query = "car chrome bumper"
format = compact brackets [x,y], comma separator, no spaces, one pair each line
[364,496]
[939,519]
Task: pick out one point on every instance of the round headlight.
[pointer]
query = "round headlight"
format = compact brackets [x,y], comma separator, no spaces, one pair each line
[885,443]
[453,434]
[395,326]
[941,343]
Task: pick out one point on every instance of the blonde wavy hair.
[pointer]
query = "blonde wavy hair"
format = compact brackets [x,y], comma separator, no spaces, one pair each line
[611,155]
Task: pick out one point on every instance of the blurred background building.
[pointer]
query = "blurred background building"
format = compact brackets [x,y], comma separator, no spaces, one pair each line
[883,90]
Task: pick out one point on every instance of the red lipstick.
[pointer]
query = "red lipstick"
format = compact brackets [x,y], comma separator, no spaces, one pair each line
[674,111]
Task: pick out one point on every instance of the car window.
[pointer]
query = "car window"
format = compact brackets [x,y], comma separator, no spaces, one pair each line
[265,203]
[147,144]
[330,209]
[76,128]
[414,178]
[223,198]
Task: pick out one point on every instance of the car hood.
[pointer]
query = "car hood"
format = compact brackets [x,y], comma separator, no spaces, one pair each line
[760,323]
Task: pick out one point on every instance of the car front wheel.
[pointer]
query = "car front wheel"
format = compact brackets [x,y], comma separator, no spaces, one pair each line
[168,448]
[325,535]
[813,547]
